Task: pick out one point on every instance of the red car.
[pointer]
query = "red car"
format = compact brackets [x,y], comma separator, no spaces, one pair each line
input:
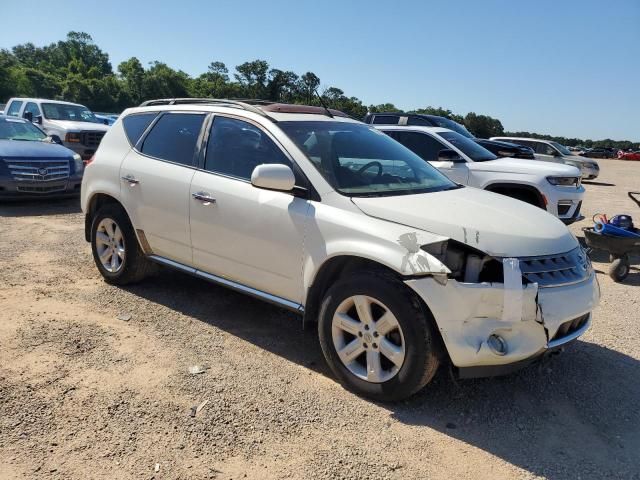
[628,155]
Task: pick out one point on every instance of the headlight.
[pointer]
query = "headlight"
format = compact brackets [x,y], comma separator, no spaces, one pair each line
[466,263]
[564,181]
[72,137]
[77,159]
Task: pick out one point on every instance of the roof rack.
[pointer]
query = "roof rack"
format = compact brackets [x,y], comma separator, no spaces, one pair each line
[210,101]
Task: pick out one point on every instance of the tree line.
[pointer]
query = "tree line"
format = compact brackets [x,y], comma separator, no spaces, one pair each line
[77,70]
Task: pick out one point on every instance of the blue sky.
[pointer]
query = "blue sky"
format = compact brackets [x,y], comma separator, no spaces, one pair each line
[567,68]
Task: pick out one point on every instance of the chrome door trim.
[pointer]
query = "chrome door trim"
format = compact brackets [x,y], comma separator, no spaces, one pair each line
[282,302]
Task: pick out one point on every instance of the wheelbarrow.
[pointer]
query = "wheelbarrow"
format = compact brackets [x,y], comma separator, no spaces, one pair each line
[619,247]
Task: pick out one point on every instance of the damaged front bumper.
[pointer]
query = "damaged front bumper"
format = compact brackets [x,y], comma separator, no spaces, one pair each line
[468,314]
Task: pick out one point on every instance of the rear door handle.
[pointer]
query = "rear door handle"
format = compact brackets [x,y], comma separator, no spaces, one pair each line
[130,179]
[204,197]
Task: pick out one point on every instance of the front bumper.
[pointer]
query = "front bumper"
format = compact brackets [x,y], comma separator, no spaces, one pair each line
[84,151]
[565,202]
[589,173]
[467,314]
[11,189]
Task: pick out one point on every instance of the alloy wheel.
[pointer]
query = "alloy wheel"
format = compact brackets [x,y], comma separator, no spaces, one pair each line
[110,245]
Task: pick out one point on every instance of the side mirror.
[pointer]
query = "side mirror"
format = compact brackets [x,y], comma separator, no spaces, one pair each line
[28,116]
[448,155]
[39,119]
[56,139]
[273,177]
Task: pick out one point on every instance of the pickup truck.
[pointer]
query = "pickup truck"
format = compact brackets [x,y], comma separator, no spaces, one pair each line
[69,124]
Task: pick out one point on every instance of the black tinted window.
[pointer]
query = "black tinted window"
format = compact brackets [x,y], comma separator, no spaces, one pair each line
[423,145]
[235,148]
[386,119]
[174,137]
[419,121]
[545,149]
[14,108]
[135,125]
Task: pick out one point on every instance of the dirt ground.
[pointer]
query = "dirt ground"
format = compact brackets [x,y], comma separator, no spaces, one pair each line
[95,382]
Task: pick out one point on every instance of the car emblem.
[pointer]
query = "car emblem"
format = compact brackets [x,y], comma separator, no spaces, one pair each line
[43,171]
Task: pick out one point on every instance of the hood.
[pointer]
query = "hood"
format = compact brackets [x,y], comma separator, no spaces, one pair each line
[495,224]
[23,149]
[73,125]
[517,165]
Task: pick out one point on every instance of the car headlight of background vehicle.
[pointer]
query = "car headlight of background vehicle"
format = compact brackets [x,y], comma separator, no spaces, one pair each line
[77,160]
[564,181]
[72,137]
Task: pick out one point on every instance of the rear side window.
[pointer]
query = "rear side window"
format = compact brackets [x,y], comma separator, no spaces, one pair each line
[174,137]
[236,148]
[14,108]
[135,125]
[386,119]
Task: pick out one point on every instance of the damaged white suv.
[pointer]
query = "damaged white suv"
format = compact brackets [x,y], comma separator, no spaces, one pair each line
[306,208]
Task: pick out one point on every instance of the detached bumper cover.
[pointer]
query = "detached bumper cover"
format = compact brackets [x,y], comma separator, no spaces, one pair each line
[467,314]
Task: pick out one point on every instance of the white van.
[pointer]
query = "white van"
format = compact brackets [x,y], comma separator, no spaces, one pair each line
[70,124]
[549,151]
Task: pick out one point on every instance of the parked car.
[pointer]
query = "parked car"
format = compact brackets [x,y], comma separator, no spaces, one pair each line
[304,207]
[32,165]
[599,153]
[106,118]
[501,149]
[553,187]
[549,151]
[73,124]
[629,155]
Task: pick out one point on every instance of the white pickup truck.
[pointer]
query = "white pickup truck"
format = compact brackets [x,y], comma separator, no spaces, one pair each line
[555,187]
[70,124]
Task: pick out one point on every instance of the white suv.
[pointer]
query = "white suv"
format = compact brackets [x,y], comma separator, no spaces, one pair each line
[306,208]
[69,124]
[549,151]
[554,187]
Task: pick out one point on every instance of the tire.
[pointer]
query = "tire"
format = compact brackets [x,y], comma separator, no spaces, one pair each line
[619,269]
[415,337]
[131,264]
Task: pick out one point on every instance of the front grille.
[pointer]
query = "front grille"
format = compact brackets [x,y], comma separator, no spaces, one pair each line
[40,189]
[91,139]
[567,328]
[556,270]
[31,170]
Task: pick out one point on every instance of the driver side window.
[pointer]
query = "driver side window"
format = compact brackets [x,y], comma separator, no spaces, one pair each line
[544,149]
[236,148]
[423,145]
[33,108]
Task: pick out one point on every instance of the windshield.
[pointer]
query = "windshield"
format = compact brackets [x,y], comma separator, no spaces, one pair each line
[61,111]
[17,129]
[470,148]
[451,125]
[358,160]
[561,148]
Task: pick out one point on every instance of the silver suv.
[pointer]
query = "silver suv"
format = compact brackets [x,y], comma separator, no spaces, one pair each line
[401,268]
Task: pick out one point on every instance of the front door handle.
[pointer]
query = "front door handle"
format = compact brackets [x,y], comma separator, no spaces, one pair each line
[130,179]
[204,197]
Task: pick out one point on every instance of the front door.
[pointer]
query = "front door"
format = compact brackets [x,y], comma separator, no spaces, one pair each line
[239,232]
[155,181]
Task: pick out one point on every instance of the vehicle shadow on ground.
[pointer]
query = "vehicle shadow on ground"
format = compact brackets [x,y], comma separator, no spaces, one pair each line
[44,206]
[576,414]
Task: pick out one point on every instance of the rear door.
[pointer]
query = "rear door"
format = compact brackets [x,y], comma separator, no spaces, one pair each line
[155,178]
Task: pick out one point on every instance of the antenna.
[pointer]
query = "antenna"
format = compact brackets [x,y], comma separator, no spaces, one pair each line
[326,109]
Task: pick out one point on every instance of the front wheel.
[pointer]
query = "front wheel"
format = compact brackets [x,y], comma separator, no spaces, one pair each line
[377,338]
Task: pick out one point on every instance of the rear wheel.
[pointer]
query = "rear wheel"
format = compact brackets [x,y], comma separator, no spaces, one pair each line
[376,337]
[115,247]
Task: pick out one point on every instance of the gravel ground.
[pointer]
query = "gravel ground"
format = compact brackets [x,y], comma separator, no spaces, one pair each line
[95,382]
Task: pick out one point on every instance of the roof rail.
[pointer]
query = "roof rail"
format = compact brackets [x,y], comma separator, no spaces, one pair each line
[210,101]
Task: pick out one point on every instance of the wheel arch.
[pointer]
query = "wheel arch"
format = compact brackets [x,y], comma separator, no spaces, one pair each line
[97,201]
[504,187]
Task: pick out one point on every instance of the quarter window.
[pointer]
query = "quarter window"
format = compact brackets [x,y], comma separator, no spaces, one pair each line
[236,148]
[135,125]
[14,108]
[33,108]
[174,137]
